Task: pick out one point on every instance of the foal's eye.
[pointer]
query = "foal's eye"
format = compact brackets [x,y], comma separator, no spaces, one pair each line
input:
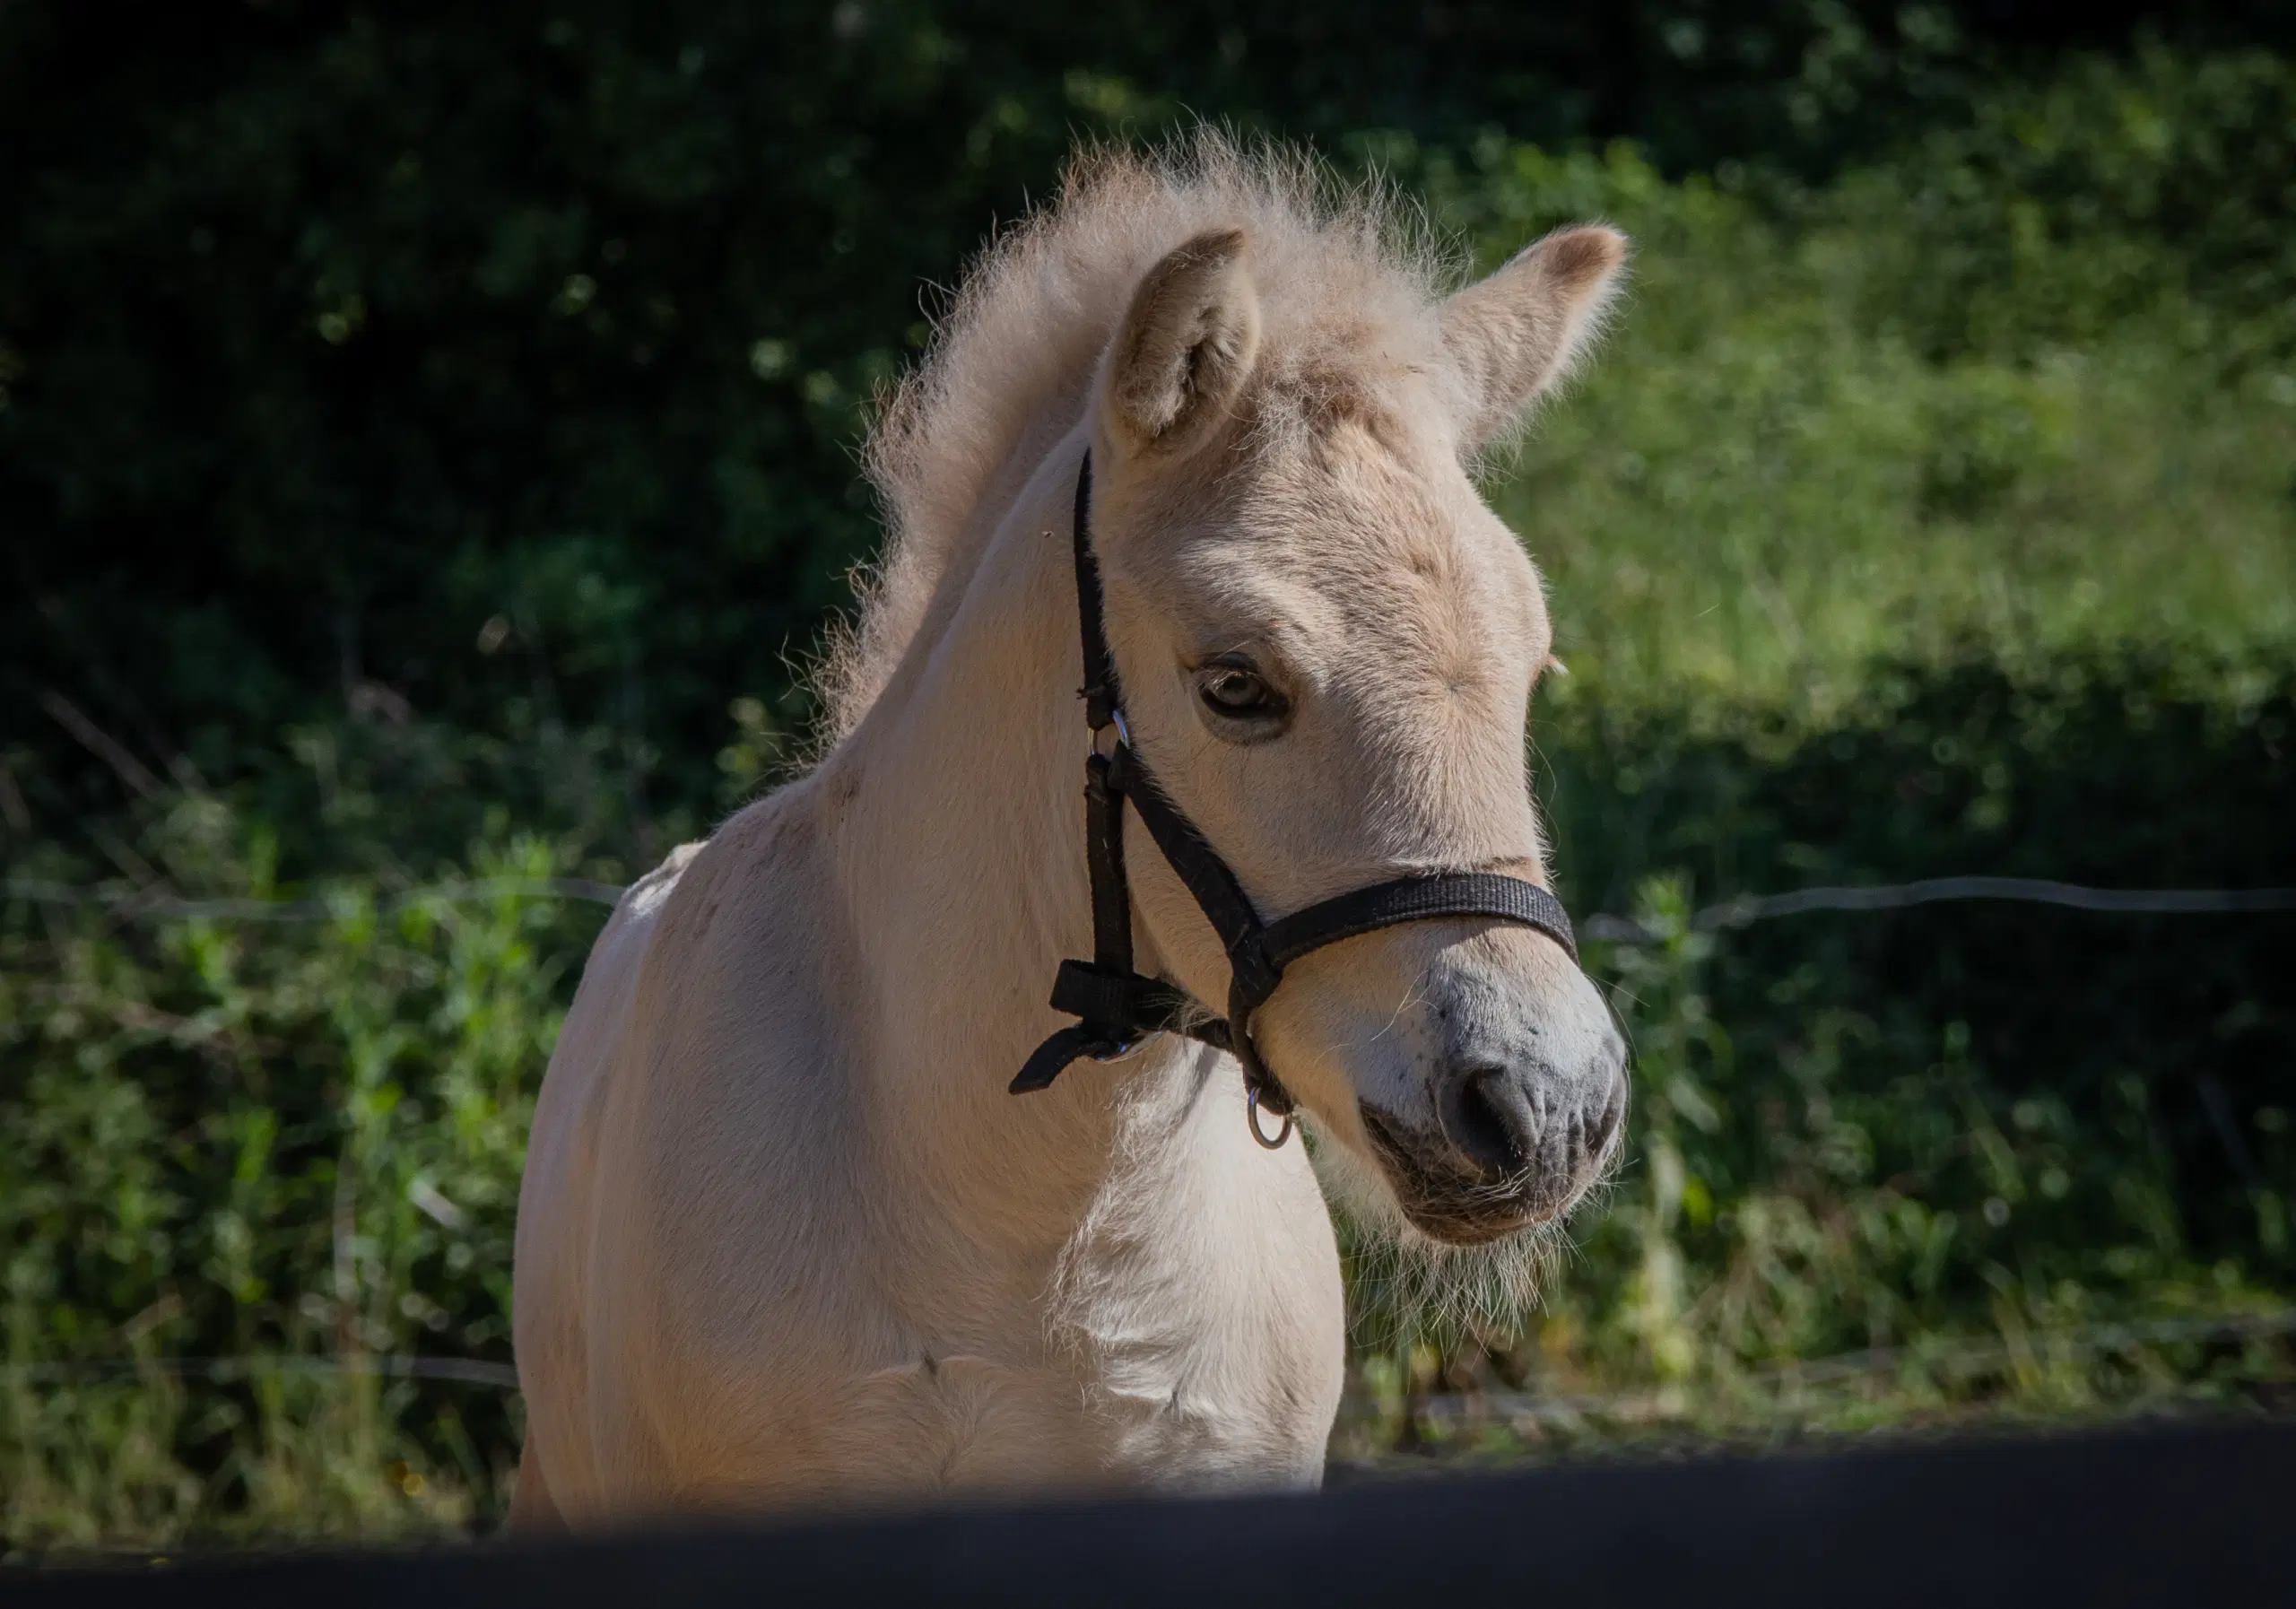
[1239,693]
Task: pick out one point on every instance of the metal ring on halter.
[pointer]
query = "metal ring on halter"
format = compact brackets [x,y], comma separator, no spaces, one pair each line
[1251,1117]
[1123,733]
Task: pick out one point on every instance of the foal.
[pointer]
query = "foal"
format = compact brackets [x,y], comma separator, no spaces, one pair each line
[784,1238]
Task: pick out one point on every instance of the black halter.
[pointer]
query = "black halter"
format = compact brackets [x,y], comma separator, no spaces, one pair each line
[1116,1006]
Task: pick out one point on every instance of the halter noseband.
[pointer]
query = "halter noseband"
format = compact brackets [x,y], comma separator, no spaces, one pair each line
[1116,1007]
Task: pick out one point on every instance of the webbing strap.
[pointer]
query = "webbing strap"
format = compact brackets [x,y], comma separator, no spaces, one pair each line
[1100,689]
[1252,973]
[1418,900]
[1224,903]
[1104,863]
[1050,1059]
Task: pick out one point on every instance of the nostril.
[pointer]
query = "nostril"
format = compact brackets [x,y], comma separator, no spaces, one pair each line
[1489,1118]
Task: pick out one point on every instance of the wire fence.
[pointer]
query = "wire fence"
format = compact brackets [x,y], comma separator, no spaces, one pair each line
[1935,1358]
[145,904]
[1740,911]
[222,1370]
[1748,909]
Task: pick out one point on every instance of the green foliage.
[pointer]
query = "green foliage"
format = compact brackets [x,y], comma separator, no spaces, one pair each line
[1839,424]
[233,1138]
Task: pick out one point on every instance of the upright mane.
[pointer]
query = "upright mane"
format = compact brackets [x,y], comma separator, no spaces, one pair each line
[1007,371]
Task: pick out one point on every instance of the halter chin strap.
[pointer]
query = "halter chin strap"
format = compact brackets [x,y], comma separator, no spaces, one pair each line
[1117,1008]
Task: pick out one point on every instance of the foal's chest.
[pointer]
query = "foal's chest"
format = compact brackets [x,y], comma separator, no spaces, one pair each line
[968,1422]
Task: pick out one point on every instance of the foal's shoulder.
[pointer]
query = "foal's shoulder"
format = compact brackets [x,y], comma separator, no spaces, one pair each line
[643,898]
[615,952]
[753,865]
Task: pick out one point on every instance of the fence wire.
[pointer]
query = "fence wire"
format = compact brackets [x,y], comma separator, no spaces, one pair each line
[1963,1356]
[142,904]
[1739,911]
[1943,1356]
[67,1371]
[1746,909]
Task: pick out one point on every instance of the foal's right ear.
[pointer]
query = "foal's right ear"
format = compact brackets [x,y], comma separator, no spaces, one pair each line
[1185,347]
[1511,336]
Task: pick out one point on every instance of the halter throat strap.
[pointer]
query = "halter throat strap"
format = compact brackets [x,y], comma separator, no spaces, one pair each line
[1116,1007]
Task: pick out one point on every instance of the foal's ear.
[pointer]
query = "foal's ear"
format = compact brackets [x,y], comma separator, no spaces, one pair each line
[1187,345]
[1512,335]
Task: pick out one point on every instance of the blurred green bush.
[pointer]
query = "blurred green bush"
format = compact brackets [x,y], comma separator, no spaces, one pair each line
[252,1132]
[503,364]
[1906,1130]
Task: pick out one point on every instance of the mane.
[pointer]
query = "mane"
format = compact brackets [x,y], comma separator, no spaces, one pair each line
[1010,362]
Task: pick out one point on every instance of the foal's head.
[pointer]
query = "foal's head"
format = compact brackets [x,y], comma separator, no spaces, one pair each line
[1327,645]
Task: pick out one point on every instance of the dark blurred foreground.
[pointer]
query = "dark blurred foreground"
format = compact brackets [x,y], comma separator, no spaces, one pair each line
[2189,1516]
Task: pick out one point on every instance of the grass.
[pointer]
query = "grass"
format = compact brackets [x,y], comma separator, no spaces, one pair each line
[253,1452]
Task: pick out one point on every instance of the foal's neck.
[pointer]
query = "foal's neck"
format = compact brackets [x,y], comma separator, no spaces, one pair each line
[957,810]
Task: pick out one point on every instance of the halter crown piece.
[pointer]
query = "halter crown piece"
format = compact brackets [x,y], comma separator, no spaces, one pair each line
[1117,1008]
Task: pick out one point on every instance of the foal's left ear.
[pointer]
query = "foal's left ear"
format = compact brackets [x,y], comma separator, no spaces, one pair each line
[1512,335]
[1186,345]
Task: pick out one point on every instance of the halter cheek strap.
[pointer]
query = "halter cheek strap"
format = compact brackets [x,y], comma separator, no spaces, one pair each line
[1115,1006]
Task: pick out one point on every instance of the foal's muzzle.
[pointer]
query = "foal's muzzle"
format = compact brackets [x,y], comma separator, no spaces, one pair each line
[1515,1129]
